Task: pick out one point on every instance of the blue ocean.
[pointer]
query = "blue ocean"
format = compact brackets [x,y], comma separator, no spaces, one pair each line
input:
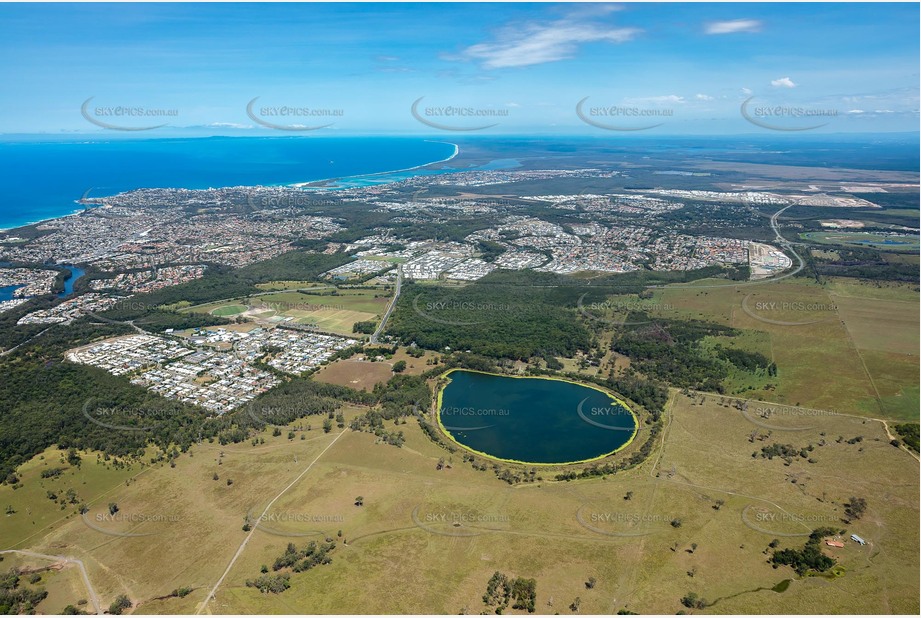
[42,179]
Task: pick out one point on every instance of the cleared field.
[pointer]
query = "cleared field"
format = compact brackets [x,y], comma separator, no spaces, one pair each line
[416,366]
[427,540]
[175,526]
[411,557]
[36,514]
[290,285]
[830,342]
[335,313]
[882,325]
[895,378]
[363,375]
[360,375]
[228,310]
[885,290]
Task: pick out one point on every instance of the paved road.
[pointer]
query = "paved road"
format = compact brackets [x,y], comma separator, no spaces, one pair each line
[29,340]
[91,592]
[390,307]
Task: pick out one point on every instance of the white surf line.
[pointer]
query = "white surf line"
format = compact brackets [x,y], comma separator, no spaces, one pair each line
[91,592]
[233,560]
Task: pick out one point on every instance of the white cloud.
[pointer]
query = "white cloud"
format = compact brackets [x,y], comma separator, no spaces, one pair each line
[703,97]
[655,100]
[746,91]
[540,43]
[668,98]
[228,125]
[512,104]
[733,26]
[855,111]
[783,82]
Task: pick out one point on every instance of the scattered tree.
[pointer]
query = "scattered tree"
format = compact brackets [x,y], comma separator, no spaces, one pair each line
[855,508]
[120,604]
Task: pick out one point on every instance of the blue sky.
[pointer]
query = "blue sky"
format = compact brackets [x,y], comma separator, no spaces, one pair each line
[686,68]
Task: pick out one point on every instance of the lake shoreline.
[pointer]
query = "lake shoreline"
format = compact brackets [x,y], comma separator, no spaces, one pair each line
[439,404]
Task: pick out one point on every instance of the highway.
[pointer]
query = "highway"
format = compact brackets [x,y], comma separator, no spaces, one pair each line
[393,303]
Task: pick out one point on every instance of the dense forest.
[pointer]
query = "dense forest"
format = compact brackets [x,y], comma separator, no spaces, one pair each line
[515,314]
[671,351]
[54,402]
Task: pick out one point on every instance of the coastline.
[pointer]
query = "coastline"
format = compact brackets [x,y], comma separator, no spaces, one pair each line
[4,230]
[303,185]
[298,185]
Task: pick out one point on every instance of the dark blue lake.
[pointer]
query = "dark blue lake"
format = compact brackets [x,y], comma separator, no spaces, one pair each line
[533,420]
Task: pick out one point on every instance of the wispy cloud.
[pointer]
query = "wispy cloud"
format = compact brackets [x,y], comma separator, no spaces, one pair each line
[228,125]
[531,44]
[783,82]
[666,98]
[703,97]
[732,26]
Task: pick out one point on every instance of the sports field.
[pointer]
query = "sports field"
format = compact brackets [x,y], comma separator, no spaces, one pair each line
[326,309]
